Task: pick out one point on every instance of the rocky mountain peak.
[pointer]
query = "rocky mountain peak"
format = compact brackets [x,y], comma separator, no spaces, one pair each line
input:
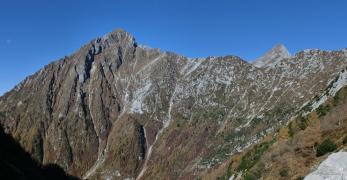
[272,57]
[118,37]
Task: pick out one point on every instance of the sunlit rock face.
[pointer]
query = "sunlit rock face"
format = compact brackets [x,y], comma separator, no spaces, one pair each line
[116,109]
[273,57]
[333,168]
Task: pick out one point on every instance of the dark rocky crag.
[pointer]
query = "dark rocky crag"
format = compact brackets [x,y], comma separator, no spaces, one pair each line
[115,109]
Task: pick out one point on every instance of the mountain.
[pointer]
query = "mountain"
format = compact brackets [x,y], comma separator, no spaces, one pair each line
[273,57]
[115,109]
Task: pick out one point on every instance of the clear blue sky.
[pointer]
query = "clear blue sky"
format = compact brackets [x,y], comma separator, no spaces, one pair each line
[36,32]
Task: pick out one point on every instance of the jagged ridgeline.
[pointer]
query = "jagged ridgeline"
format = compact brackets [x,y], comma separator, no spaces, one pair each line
[116,109]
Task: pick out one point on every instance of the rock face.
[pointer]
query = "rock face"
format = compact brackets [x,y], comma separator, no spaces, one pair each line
[117,110]
[334,167]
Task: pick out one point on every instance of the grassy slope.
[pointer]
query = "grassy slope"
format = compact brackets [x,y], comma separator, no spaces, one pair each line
[292,152]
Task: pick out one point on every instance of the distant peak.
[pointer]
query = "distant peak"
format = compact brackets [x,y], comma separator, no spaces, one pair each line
[272,57]
[280,48]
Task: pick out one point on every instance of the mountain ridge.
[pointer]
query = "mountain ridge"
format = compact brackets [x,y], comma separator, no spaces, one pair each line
[140,112]
[121,32]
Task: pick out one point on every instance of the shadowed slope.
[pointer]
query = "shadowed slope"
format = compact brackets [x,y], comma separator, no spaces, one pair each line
[16,163]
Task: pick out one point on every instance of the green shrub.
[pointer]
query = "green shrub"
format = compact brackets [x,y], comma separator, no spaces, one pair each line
[2,114]
[340,96]
[252,157]
[316,98]
[336,99]
[302,122]
[249,176]
[307,107]
[325,147]
[322,110]
[302,125]
[290,129]
[284,173]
